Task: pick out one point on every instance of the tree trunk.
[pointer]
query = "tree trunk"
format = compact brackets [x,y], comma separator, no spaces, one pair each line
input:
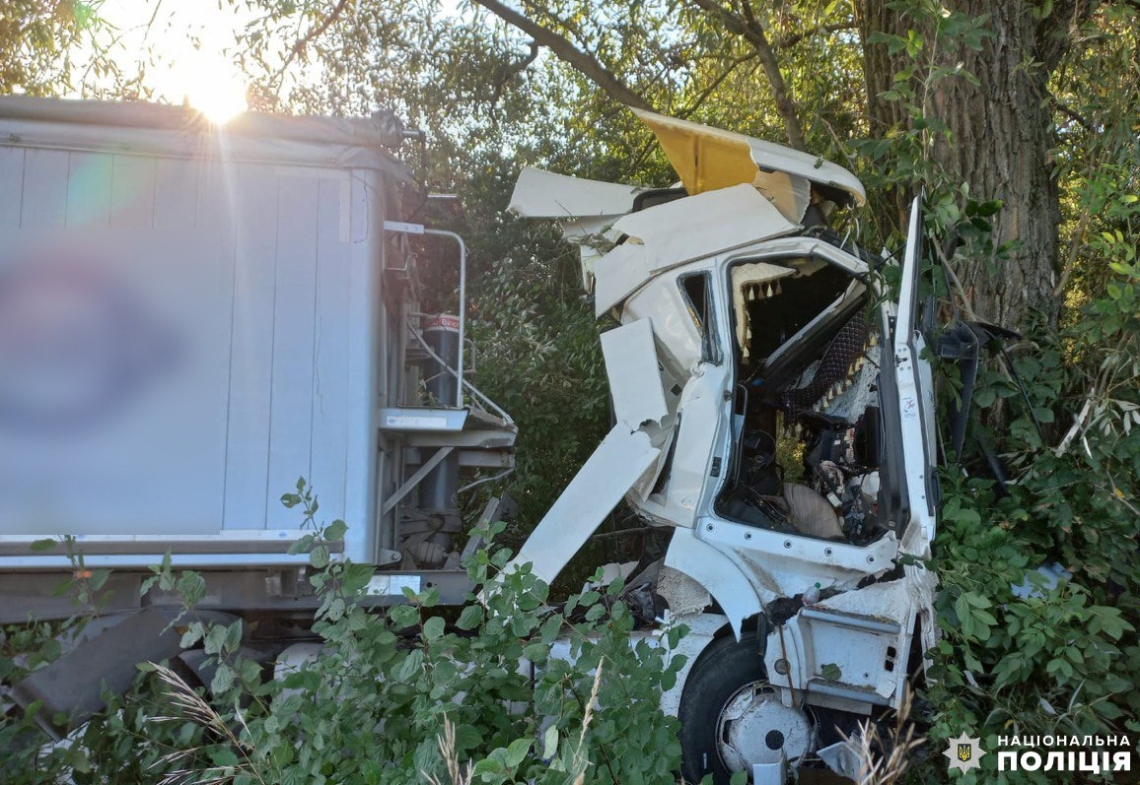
[879,68]
[1000,145]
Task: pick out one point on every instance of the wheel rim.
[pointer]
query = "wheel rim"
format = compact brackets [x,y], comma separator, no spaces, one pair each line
[755,727]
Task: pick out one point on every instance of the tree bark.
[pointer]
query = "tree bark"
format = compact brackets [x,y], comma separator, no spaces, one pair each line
[1001,138]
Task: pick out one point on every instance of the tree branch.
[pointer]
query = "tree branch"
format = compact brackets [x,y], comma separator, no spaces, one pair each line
[319,30]
[522,64]
[302,43]
[704,94]
[583,62]
[753,32]
[1067,110]
[788,41]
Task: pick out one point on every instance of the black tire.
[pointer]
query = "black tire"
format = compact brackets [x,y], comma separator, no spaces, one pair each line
[724,667]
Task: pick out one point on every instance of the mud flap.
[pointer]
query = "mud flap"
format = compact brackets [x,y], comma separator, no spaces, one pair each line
[73,685]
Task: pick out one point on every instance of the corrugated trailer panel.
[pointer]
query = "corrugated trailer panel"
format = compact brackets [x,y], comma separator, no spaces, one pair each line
[255,205]
[206,332]
[12,192]
[329,471]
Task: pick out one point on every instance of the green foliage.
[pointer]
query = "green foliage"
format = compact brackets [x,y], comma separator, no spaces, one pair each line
[1063,661]
[385,688]
[60,47]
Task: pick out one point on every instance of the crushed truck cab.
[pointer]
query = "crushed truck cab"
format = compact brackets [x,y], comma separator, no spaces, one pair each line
[774,408]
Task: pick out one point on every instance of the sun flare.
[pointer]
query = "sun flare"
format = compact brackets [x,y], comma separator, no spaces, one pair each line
[213,86]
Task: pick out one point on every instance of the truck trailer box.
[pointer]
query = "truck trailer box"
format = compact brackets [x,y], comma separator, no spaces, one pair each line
[191,318]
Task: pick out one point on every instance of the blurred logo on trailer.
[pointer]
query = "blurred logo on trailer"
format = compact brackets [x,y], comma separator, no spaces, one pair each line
[77,347]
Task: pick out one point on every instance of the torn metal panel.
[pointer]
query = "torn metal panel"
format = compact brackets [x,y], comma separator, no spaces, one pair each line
[662,437]
[662,302]
[700,428]
[682,594]
[542,194]
[699,226]
[908,286]
[615,467]
[790,195]
[862,637]
[708,158]
[617,275]
[685,230]
[632,368]
[815,253]
[585,210]
[594,238]
[784,564]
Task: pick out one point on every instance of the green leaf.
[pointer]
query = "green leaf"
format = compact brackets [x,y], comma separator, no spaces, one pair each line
[39,546]
[487,767]
[404,616]
[517,752]
[191,587]
[976,600]
[223,679]
[356,577]
[319,557]
[233,636]
[434,628]
[192,635]
[215,639]
[335,531]
[471,617]
[98,579]
[467,737]
[536,652]
[411,666]
[550,742]
[550,628]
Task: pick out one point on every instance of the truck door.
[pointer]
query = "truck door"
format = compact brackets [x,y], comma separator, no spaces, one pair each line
[911,484]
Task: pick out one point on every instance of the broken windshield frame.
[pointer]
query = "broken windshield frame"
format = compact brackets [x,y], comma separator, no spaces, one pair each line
[696,288]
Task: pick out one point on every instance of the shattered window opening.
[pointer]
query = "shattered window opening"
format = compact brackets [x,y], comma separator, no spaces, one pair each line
[807,358]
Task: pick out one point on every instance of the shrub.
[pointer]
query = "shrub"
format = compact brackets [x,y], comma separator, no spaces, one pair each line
[402,694]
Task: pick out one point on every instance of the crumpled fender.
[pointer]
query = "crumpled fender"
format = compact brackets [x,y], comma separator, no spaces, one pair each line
[717,574]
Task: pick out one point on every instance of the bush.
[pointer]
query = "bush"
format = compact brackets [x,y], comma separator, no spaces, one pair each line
[394,696]
[1065,660]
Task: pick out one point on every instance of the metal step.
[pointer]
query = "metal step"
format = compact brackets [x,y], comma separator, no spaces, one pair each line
[851,621]
[846,692]
[409,419]
[465,429]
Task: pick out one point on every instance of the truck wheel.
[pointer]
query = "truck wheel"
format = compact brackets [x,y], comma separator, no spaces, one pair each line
[731,717]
